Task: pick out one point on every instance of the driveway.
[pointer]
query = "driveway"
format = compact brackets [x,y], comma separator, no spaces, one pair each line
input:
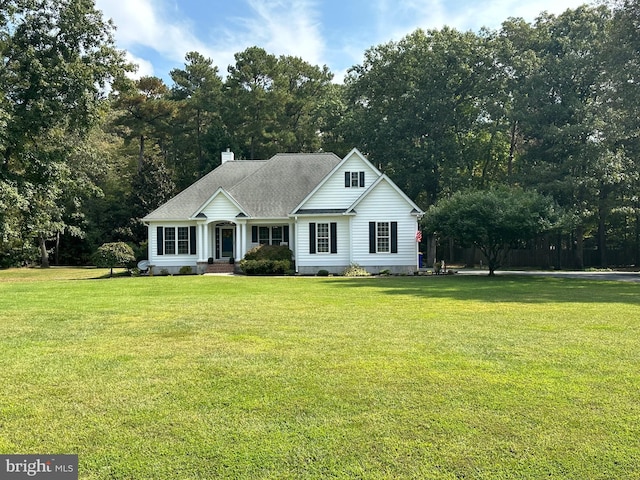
[603,275]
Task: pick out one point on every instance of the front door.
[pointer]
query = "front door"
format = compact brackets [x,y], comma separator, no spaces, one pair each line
[226,245]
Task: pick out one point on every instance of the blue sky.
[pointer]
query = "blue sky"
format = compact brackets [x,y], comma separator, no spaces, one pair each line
[158,33]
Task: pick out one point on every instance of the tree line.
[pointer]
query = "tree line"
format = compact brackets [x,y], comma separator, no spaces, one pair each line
[550,105]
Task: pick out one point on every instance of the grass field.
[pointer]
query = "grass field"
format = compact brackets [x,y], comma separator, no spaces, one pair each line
[400,377]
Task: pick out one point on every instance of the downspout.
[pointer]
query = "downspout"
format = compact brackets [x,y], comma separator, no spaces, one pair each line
[351,240]
[295,242]
[418,218]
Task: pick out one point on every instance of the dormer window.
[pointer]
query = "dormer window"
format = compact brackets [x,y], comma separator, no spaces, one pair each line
[354,179]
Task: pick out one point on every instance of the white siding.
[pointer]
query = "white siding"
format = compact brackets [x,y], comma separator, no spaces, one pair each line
[221,208]
[333,194]
[333,262]
[384,204]
[171,263]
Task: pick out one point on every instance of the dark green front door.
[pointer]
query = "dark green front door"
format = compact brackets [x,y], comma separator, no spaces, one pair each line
[226,248]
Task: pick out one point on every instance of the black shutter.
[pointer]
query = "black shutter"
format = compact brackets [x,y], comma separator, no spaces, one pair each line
[394,237]
[347,179]
[312,238]
[334,237]
[254,234]
[160,240]
[372,237]
[192,240]
[362,179]
[285,234]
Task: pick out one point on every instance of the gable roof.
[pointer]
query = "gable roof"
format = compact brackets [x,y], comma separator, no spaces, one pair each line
[262,188]
[298,208]
[188,202]
[383,178]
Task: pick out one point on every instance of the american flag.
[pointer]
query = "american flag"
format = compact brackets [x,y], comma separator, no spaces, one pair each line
[419,236]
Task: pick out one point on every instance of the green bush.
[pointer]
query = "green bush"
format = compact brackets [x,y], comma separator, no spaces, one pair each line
[265,267]
[267,260]
[323,273]
[186,270]
[269,252]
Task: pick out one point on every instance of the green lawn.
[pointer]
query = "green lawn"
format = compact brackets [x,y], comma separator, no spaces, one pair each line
[400,377]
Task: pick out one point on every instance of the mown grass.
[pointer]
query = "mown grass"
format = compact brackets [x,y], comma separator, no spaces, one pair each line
[400,377]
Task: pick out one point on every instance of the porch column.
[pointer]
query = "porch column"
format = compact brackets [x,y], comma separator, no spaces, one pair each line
[243,240]
[292,238]
[236,243]
[202,242]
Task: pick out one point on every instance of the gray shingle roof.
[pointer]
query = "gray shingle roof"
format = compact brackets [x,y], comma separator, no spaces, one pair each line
[263,188]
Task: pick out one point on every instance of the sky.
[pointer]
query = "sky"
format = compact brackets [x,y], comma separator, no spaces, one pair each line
[157,34]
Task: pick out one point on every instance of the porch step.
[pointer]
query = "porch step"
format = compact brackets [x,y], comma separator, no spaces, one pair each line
[225,267]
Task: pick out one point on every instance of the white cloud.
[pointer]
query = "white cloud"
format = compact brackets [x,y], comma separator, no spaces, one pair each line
[144,23]
[397,18]
[281,27]
[145,67]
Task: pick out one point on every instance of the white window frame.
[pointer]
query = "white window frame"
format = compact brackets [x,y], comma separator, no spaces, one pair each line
[355,179]
[323,242]
[382,237]
[170,247]
[182,244]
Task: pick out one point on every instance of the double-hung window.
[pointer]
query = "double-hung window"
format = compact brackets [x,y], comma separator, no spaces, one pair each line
[383,237]
[264,235]
[170,241]
[183,240]
[176,240]
[323,237]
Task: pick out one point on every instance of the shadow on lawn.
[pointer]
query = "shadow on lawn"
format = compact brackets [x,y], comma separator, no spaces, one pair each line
[512,288]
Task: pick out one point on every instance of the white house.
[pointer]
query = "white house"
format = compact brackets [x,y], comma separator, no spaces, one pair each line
[331,212]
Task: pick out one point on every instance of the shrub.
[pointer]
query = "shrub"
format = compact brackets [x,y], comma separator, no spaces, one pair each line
[269,252]
[355,270]
[265,267]
[267,260]
[116,254]
[323,273]
[186,270]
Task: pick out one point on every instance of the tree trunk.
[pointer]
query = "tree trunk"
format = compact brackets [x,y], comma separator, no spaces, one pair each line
[451,252]
[141,154]
[512,149]
[44,256]
[546,252]
[431,250]
[637,240]
[578,255]
[57,255]
[602,232]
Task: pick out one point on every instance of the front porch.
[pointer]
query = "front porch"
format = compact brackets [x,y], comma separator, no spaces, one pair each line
[223,243]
